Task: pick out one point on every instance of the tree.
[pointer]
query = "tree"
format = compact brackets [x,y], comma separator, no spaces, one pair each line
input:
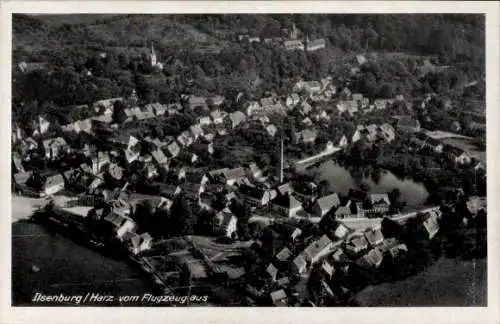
[323,188]
[181,218]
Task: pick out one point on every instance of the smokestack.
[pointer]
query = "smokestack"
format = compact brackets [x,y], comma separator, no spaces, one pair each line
[281,161]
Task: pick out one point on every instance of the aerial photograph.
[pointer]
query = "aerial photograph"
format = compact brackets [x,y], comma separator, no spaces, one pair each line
[292,160]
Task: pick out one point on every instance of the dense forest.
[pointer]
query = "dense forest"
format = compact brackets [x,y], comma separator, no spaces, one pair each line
[90,57]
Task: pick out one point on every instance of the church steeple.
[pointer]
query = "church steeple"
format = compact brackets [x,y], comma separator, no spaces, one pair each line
[153,55]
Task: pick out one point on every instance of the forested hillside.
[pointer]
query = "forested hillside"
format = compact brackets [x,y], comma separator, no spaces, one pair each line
[201,54]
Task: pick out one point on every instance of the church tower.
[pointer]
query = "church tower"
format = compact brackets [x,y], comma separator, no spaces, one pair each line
[153,55]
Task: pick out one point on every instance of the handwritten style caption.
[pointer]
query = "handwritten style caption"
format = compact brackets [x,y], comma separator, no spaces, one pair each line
[98,299]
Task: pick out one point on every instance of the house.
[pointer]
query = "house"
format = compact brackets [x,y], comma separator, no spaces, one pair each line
[277,108]
[279,298]
[324,204]
[53,184]
[307,121]
[159,109]
[204,120]
[380,104]
[292,100]
[433,144]
[318,249]
[285,189]
[131,155]
[379,203]
[305,108]
[341,141]
[159,156]
[387,132]
[349,106]
[431,225]
[17,162]
[315,45]
[477,126]
[231,176]
[173,149]
[30,144]
[271,130]
[308,136]
[371,132]
[396,250]
[457,155]
[293,45]
[267,102]
[299,264]
[138,243]
[106,103]
[236,118]
[185,139]
[358,97]
[225,223]
[387,244]
[283,281]
[192,191]
[120,224]
[374,236]
[98,162]
[373,258]
[115,171]
[216,101]
[287,205]
[254,171]
[208,137]
[196,130]
[357,244]
[145,114]
[195,102]
[455,126]
[42,126]
[218,116]
[272,271]
[348,210]
[253,107]
[284,254]
[169,191]
[296,233]
[361,59]
[476,204]
[339,256]
[55,148]
[188,157]
[253,196]
[407,124]
[84,125]
[328,269]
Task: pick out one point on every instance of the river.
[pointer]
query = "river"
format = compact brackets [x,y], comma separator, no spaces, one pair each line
[413,193]
[65,267]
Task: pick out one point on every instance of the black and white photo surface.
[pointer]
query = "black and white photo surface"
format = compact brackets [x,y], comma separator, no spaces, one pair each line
[328,160]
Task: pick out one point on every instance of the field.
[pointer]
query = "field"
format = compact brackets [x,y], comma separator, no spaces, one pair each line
[442,135]
[23,207]
[449,282]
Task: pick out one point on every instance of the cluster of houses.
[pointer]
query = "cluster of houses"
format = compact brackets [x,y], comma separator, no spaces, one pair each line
[330,255]
[293,42]
[152,157]
[423,141]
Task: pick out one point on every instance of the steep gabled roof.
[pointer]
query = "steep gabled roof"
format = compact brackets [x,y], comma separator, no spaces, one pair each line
[288,201]
[328,202]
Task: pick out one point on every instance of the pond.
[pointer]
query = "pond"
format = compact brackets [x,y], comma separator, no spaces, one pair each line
[413,193]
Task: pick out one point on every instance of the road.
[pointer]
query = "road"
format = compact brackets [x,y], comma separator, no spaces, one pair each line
[357,224]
